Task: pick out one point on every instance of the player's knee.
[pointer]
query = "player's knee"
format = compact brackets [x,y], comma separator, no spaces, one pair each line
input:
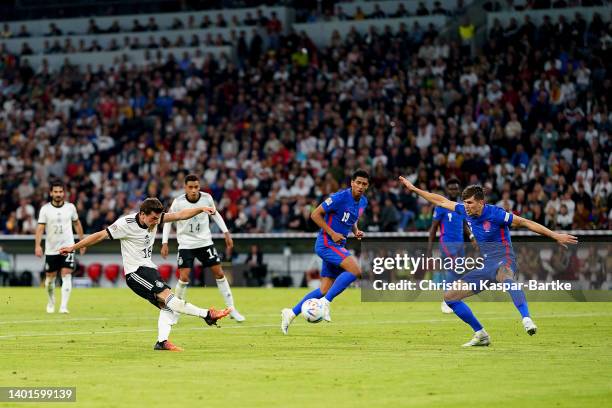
[504,273]
[219,274]
[451,296]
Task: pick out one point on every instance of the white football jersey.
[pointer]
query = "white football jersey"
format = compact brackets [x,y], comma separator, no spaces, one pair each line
[136,241]
[58,226]
[194,232]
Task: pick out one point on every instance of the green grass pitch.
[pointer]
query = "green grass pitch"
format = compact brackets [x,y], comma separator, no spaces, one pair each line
[371,355]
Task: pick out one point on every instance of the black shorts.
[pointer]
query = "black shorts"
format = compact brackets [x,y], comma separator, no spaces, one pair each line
[146,283]
[55,263]
[207,255]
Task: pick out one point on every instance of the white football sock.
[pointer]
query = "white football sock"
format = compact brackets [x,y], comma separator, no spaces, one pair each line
[50,286]
[180,306]
[66,289]
[226,292]
[164,324]
[181,289]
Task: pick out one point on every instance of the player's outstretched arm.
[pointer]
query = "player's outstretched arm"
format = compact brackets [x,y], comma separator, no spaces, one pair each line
[435,199]
[317,216]
[561,238]
[92,239]
[187,213]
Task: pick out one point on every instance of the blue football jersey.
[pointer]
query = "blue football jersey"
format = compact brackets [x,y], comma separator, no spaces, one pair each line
[451,231]
[342,212]
[492,232]
[451,224]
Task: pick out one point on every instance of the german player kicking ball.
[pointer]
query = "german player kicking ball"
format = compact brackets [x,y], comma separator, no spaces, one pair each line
[137,234]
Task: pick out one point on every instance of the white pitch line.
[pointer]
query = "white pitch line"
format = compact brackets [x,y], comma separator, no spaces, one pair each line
[141,317]
[246,326]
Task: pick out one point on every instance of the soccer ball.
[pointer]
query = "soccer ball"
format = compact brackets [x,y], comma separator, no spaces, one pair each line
[312,310]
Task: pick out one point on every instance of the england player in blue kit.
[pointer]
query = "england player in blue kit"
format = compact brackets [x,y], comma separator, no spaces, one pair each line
[453,227]
[490,225]
[337,216]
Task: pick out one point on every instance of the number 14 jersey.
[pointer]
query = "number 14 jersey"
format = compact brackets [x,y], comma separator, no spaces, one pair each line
[194,232]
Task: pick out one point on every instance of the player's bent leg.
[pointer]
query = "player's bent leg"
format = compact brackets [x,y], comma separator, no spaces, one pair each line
[180,289]
[453,299]
[66,289]
[177,305]
[50,288]
[505,275]
[352,271]
[226,292]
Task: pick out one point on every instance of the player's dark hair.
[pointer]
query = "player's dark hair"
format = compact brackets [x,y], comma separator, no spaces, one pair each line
[191,177]
[453,180]
[360,173]
[56,183]
[150,205]
[474,190]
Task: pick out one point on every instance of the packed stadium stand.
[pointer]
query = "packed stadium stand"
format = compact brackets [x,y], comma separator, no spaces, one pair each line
[275,106]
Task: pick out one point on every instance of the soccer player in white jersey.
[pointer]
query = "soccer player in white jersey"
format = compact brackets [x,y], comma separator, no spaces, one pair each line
[195,241]
[57,218]
[137,234]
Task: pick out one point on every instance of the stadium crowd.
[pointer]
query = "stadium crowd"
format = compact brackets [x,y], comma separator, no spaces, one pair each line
[272,135]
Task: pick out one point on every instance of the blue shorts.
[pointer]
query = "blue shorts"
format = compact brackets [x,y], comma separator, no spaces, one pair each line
[332,255]
[488,273]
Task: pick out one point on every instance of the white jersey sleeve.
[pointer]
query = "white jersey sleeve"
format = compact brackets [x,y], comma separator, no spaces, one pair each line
[75,214]
[119,229]
[42,215]
[218,219]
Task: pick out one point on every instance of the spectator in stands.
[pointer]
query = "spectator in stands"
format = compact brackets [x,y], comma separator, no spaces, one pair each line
[359,14]
[26,49]
[337,114]
[23,32]
[438,9]
[6,31]
[400,12]
[137,27]
[220,23]
[235,22]
[191,23]
[114,27]
[152,25]
[422,10]
[92,27]
[256,274]
[340,14]
[377,12]
[53,31]
[177,24]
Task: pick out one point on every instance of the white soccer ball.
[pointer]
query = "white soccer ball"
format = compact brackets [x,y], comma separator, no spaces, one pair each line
[312,310]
